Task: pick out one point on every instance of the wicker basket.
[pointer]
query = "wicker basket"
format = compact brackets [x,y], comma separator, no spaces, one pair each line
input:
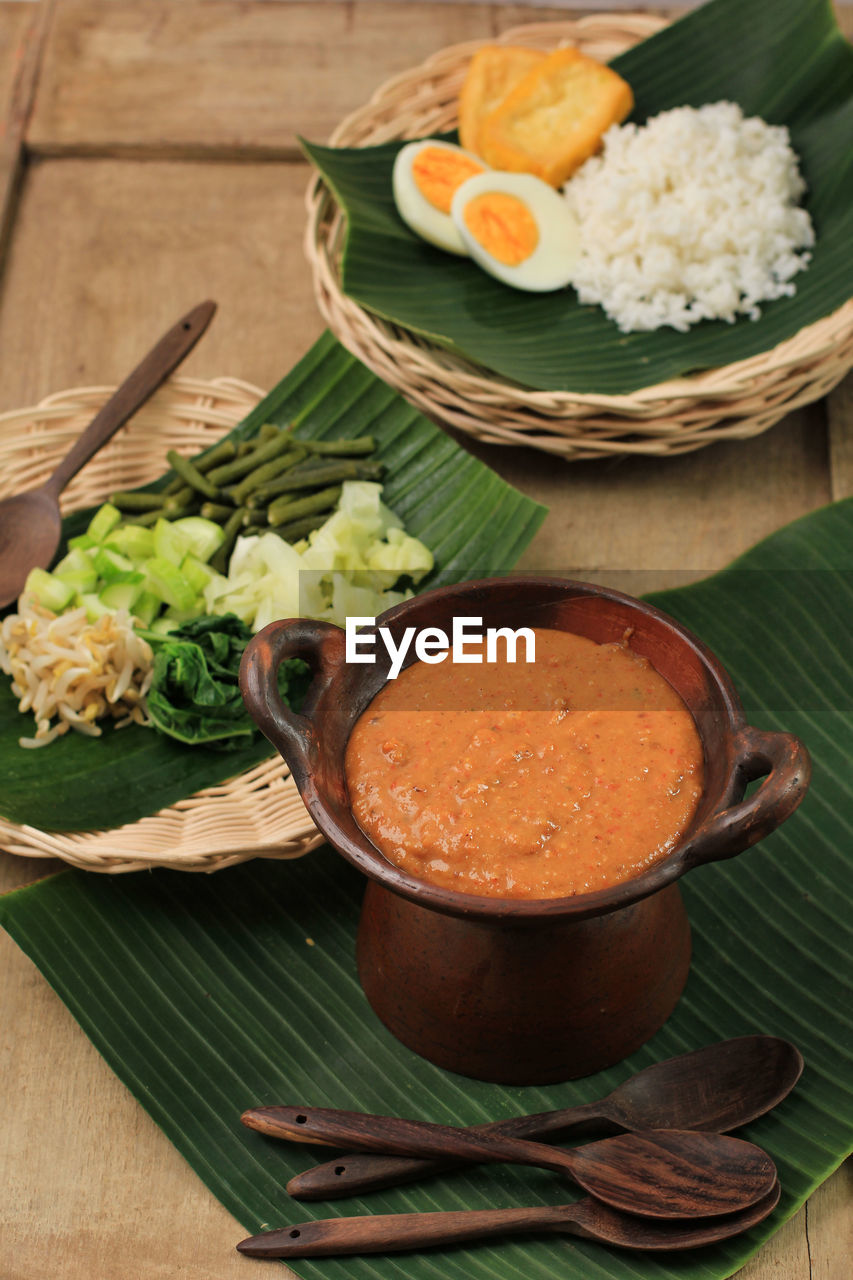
[734,402]
[259,813]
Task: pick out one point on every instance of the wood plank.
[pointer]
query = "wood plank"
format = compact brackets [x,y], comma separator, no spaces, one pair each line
[92,1188]
[839,408]
[123,78]
[107,255]
[642,524]
[22,32]
[830,1226]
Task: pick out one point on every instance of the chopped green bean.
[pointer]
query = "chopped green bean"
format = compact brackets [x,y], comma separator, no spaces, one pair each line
[138,501]
[148,518]
[265,472]
[299,528]
[323,473]
[222,452]
[233,528]
[242,466]
[358,447]
[217,511]
[191,475]
[181,498]
[285,509]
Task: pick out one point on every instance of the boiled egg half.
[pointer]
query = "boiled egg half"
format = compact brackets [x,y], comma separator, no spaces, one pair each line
[425,178]
[518,228]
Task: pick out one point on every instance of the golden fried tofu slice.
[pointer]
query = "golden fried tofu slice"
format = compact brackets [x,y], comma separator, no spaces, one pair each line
[555,117]
[494,70]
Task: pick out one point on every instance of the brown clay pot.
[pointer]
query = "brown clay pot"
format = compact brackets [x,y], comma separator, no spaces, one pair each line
[508,990]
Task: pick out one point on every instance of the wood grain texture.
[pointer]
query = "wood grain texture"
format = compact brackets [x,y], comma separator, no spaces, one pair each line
[642,524]
[103,253]
[716,1088]
[106,251]
[123,78]
[839,411]
[22,32]
[669,1174]
[587,1218]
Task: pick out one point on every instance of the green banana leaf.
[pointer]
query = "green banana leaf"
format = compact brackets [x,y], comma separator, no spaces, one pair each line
[210,994]
[784,60]
[473,521]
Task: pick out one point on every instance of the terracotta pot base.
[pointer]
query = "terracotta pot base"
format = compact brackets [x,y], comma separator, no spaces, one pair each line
[515,1005]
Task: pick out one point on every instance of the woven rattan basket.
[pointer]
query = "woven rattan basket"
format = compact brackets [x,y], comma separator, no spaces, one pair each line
[734,402]
[259,813]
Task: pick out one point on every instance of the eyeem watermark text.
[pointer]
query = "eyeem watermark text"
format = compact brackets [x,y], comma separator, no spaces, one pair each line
[432,644]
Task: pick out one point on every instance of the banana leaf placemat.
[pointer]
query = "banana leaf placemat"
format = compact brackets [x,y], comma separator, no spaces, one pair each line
[207,995]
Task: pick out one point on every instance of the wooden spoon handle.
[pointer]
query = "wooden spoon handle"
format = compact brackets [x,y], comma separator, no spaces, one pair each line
[394,1232]
[133,392]
[391,1136]
[357,1172]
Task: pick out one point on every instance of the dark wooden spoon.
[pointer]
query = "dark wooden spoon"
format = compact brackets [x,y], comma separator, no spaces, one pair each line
[589,1219]
[30,523]
[713,1089]
[663,1173]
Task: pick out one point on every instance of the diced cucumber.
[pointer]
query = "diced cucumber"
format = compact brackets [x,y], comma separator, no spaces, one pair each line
[111,563]
[94,606]
[147,607]
[203,537]
[166,581]
[132,540]
[78,570]
[162,626]
[196,573]
[168,543]
[122,595]
[180,616]
[83,542]
[79,580]
[50,592]
[103,522]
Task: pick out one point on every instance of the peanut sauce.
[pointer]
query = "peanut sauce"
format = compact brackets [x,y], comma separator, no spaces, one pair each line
[527,780]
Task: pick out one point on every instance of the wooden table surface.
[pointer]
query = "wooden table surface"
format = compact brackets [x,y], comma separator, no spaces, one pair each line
[147,161]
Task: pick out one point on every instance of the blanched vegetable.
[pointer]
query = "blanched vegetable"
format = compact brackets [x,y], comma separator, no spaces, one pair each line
[125,566]
[194,694]
[345,567]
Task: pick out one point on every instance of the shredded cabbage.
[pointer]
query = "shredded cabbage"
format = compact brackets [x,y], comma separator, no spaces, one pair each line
[346,568]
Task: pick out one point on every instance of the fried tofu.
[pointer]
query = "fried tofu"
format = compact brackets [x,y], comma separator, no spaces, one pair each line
[555,117]
[493,72]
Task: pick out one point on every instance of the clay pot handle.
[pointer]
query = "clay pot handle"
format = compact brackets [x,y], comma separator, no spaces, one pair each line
[322,646]
[785,762]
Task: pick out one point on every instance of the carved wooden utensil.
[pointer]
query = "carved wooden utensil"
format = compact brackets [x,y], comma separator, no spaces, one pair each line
[30,523]
[589,1219]
[664,1173]
[713,1089]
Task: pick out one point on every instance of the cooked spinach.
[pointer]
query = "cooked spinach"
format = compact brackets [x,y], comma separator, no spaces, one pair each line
[195,695]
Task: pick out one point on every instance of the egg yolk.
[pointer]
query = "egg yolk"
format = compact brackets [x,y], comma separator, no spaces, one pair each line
[503,225]
[438,173]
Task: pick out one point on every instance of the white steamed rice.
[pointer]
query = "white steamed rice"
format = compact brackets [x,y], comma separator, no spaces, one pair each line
[692,216]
